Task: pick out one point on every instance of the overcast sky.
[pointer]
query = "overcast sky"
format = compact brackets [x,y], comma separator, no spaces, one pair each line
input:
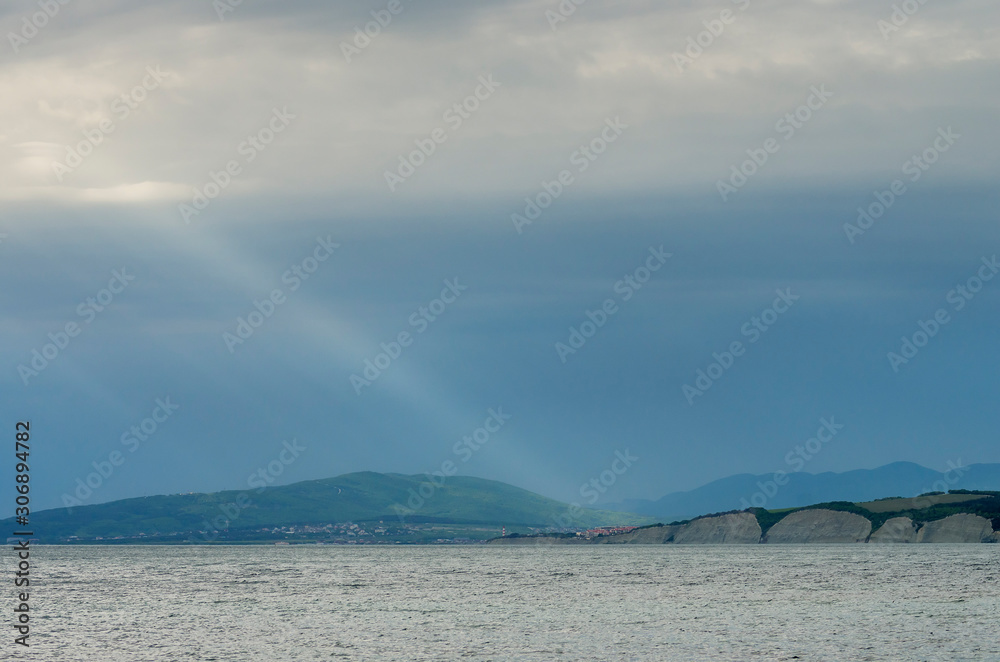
[199,157]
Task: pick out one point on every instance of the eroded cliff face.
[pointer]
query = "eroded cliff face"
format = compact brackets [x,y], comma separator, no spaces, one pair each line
[957,528]
[819,526]
[654,535]
[729,529]
[802,527]
[896,530]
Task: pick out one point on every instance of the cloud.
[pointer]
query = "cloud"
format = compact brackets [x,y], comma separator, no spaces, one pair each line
[355,120]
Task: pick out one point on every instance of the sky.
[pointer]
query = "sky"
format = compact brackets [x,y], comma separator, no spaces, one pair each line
[532,222]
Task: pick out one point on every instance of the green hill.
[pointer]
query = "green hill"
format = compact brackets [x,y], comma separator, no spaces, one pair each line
[394,501]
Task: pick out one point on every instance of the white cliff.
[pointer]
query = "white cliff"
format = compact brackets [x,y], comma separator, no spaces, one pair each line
[957,528]
[896,530]
[819,526]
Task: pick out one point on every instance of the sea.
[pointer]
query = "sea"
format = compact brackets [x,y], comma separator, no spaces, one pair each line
[483,602]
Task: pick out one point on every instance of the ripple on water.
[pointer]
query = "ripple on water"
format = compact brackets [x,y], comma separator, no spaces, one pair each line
[907,602]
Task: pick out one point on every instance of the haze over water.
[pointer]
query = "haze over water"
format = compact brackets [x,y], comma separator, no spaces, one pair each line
[849,602]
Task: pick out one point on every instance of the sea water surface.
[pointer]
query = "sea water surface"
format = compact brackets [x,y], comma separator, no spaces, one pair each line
[662,602]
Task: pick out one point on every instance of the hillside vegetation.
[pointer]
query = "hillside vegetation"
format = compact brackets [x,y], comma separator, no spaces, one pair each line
[920,509]
[393,499]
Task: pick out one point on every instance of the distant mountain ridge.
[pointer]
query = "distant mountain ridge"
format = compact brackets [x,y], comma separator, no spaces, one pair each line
[396,501]
[800,489]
